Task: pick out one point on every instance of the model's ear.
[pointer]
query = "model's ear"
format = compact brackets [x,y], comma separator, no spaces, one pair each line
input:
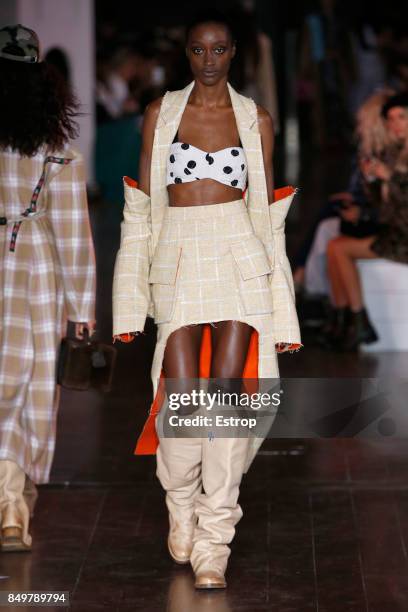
[234,49]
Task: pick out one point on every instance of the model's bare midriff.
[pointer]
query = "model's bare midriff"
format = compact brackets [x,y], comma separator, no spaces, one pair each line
[209,134]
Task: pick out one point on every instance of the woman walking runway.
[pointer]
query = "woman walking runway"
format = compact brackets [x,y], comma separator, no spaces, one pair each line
[47,268]
[210,266]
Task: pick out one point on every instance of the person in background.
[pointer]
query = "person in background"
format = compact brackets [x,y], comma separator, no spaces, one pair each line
[47,268]
[121,82]
[326,68]
[386,184]
[370,138]
[254,70]
[370,65]
[122,94]
[59,59]
[399,70]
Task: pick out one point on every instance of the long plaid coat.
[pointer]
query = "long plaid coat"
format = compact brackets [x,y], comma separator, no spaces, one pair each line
[47,275]
[143,216]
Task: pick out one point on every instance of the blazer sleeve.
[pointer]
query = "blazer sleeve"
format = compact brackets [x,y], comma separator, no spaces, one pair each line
[131,290]
[68,213]
[285,319]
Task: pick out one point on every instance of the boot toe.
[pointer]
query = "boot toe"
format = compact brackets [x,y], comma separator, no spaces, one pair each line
[210,580]
[12,540]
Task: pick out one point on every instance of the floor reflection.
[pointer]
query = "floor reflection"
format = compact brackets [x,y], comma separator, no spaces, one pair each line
[182,596]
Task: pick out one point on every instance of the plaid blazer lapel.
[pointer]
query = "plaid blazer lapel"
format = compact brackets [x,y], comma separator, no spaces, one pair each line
[171,111]
[256,197]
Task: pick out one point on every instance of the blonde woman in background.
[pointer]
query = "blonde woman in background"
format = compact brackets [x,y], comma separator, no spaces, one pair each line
[383,162]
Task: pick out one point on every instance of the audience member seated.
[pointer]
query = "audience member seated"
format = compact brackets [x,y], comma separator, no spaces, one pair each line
[385,181]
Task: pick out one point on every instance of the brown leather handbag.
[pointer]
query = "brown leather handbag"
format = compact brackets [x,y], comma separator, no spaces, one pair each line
[85,364]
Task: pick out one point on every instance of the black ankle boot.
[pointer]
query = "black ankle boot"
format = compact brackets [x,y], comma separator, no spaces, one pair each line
[333,330]
[359,331]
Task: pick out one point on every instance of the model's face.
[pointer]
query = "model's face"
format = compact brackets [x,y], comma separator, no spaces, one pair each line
[210,51]
[397,122]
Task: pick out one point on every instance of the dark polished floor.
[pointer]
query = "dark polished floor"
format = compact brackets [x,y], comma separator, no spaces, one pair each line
[325,525]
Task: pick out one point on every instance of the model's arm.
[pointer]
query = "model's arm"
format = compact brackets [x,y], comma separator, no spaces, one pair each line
[266,130]
[69,218]
[149,123]
[131,292]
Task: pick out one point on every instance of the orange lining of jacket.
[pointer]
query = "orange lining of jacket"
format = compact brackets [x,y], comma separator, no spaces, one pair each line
[148,440]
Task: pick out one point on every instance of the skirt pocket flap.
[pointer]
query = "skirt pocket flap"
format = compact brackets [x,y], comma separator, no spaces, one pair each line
[251,258]
[165,264]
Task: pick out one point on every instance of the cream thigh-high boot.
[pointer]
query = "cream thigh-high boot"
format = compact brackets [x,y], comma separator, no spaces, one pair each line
[179,472]
[217,508]
[14,511]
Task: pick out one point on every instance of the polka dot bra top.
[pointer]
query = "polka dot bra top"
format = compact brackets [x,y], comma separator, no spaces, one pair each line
[189,163]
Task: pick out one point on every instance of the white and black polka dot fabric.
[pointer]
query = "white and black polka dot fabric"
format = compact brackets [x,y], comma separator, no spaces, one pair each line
[189,163]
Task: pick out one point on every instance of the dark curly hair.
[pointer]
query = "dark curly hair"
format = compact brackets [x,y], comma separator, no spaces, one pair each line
[36,107]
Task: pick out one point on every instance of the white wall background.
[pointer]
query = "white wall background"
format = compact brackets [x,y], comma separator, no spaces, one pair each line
[68,24]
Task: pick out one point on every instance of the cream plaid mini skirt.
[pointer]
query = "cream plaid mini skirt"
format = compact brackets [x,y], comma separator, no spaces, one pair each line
[209,266]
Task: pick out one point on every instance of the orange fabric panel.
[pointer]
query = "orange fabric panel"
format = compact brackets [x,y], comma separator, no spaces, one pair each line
[292,347]
[205,353]
[282,192]
[130,182]
[148,440]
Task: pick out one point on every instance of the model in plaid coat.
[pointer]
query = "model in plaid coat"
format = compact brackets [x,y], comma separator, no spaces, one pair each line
[152,278]
[47,275]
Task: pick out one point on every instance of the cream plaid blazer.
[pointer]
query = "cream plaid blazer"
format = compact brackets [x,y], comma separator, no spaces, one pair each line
[143,217]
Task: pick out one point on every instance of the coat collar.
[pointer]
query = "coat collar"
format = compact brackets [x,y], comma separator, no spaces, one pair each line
[244,108]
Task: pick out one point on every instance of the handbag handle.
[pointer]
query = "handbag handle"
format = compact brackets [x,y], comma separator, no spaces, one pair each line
[86,339]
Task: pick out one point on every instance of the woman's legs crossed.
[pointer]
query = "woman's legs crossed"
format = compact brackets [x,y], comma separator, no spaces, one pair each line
[342,253]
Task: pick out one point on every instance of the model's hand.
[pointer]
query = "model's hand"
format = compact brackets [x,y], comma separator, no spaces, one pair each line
[381,171]
[80,327]
[367,166]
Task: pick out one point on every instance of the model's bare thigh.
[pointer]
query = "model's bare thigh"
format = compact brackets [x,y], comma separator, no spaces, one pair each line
[342,253]
[230,342]
[229,348]
[182,353]
[181,362]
